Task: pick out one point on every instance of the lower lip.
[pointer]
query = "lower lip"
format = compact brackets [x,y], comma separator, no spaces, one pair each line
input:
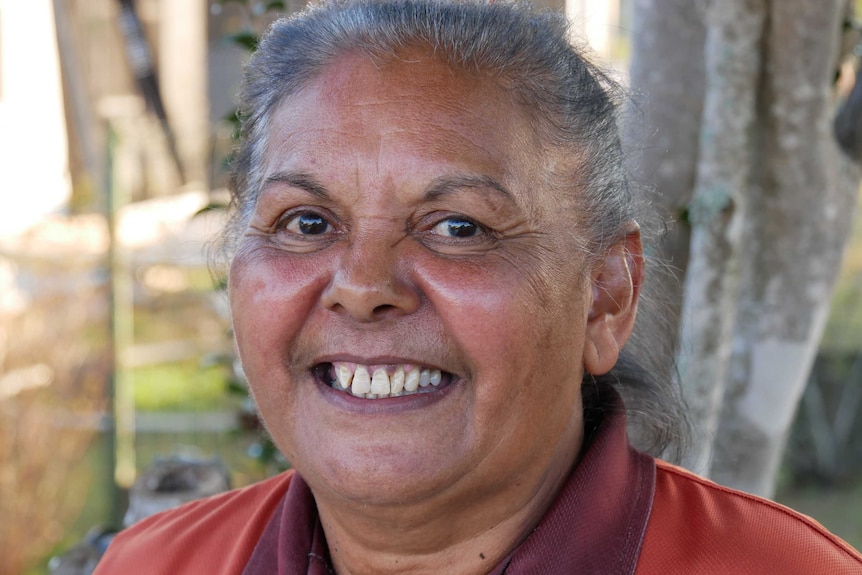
[385,405]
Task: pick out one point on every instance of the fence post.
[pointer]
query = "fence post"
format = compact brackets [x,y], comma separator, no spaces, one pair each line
[121,301]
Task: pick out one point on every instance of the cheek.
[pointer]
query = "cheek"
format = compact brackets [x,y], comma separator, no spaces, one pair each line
[270,298]
[509,314]
[524,354]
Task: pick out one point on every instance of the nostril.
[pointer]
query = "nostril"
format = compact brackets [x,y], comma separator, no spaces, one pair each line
[383,310]
[369,294]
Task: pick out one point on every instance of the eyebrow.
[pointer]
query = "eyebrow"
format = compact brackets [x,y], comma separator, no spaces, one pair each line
[450,184]
[299,180]
[440,187]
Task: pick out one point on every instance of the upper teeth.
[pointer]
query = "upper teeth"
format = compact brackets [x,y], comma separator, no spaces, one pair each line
[384,381]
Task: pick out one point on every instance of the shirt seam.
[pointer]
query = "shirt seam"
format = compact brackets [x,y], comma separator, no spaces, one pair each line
[798,517]
[640,493]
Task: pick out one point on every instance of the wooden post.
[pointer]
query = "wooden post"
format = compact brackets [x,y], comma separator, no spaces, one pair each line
[183,31]
[122,401]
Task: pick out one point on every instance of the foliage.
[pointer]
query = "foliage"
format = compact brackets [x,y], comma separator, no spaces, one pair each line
[179,386]
[825,446]
[53,370]
[262,449]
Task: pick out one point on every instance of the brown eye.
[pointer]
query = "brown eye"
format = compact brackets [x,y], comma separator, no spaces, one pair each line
[307,224]
[457,228]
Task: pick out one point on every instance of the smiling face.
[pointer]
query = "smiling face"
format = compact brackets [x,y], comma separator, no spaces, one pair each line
[404,227]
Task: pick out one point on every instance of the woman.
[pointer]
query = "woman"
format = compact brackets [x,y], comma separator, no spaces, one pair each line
[435,265]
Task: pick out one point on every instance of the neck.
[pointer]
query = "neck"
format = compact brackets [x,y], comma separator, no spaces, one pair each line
[470,535]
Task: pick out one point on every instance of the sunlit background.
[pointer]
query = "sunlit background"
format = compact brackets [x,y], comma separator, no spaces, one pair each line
[115,348]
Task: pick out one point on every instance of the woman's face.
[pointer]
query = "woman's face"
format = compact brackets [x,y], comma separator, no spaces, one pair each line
[404,226]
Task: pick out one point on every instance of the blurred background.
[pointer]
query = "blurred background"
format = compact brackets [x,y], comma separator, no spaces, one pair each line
[116,123]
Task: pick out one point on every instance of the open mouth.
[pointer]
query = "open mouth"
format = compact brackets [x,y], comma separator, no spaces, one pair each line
[381,381]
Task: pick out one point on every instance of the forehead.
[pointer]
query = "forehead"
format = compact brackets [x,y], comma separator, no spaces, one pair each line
[413,106]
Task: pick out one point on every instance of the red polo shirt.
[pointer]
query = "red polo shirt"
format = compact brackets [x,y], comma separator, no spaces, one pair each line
[620,512]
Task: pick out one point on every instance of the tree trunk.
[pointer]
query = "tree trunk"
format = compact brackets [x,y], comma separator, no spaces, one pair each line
[662,135]
[737,114]
[802,203]
[716,213]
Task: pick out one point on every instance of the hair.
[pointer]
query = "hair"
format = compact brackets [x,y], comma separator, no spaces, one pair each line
[527,52]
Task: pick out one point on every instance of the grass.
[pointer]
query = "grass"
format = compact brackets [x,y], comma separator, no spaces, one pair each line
[181,386]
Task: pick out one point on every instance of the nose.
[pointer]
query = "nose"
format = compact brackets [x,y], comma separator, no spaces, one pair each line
[369,283]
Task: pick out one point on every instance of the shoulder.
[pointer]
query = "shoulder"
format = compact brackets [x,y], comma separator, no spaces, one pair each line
[215,535]
[697,526]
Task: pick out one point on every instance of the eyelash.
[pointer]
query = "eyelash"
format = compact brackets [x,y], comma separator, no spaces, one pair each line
[478,229]
[292,219]
[294,216]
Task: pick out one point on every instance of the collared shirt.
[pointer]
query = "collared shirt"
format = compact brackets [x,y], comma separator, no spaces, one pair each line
[596,524]
[619,512]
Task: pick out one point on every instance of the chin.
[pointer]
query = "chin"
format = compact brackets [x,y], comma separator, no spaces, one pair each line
[383,473]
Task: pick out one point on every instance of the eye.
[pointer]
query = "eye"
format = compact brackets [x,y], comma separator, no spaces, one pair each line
[306,224]
[457,227]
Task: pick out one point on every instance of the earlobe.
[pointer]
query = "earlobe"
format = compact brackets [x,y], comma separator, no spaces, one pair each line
[600,352]
[616,283]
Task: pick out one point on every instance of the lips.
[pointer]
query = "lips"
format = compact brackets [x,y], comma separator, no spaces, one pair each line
[381,381]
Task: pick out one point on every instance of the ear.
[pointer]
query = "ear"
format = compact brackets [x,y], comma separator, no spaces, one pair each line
[616,284]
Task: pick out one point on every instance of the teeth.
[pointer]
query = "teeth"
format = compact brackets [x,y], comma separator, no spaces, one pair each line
[397,381]
[361,381]
[343,375]
[404,379]
[411,383]
[425,378]
[380,382]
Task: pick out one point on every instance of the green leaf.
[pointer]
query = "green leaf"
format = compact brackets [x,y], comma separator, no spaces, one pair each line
[247,40]
[685,216]
[227,162]
[232,117]
[277,5]
[234,387]
[234,120]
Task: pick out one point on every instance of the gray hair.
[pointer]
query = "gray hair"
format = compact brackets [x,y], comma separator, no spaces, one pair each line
[575,106]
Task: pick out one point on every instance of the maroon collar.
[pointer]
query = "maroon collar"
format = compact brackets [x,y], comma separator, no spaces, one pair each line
[596,524]
[293,542]
[599,519]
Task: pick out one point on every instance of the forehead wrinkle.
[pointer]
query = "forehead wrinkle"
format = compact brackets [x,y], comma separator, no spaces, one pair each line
[463,101]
